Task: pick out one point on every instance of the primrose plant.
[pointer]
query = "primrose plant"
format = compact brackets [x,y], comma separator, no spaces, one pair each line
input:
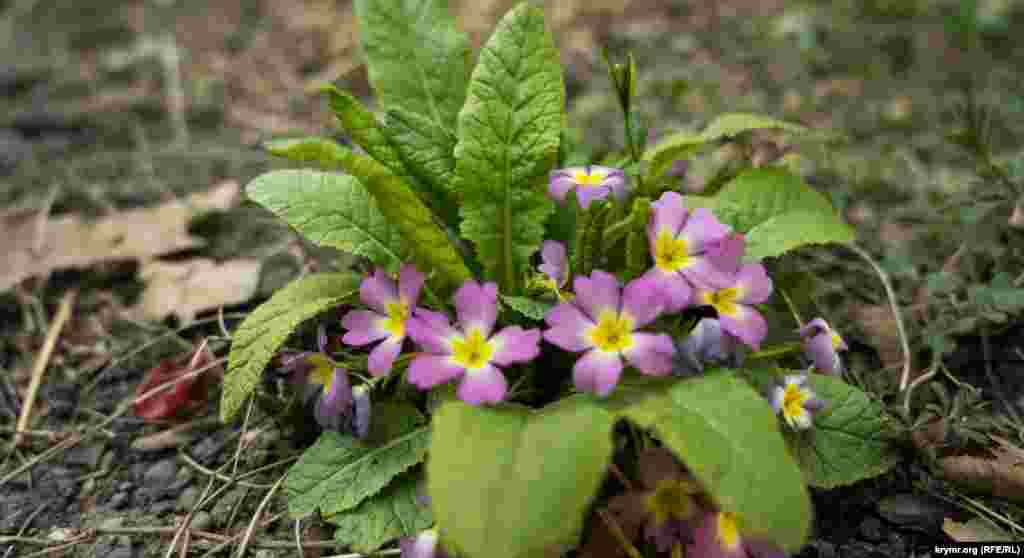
[521,306]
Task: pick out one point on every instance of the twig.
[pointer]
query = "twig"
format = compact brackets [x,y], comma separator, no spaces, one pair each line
[63,313]
[932,371]
[25,525]
[226,543]
[220,476]
[256,516]
[792,307]
[616,531]
[185,523]
[298,538]
[895,306]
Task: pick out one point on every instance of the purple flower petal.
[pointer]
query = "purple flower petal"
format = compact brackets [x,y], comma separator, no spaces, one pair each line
[383,356]
[726,254]
[483,385]
[822,352]
[707,343]
[590,194]
[669,214]
[674,287]
[378,290]
[410,281]
[561,181]
[707,541]
[335,401]
[702,229]
[515,344]
[651,353]
[644,299]
[361,416]
[597,293]
[363,327]
[753,283]
[431,331]
[427,371]
[477,305]
[597,372]
[702,272]
[423,545]
[616,182]
[555,265]
[747,324]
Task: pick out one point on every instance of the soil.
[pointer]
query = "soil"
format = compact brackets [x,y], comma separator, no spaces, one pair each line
[87,124]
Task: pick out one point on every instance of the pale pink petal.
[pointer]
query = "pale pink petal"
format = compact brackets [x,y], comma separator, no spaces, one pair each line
[590,194]
[814,327]
[383,356]
[754,284]
[616,182]
[651,353]
[363,327]
[477,305]
[673,286]
[702,229]
[427,371]
[597,372]
[410,281]
[568,338]
[561,181]
[747,324]
[423,545]
[702,272]
[483,385]
[669,213]
[569,315]
[378,290]
[555,265]
[597,293]
[515,344]
[726,254]
[644,299]
[820,350]
[430,330]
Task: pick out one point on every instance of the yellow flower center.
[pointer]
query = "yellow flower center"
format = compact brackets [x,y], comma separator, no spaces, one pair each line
[724,301]
[398,313]
[793,401]
[583,179]
[613,332]
[836,340]
[322,372]
[671,254]
[473,350]
[672,499]
[728,530]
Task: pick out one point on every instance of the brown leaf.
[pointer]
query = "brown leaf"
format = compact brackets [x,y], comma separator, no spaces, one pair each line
[1007,452]
[932,435]
[878,323]
[654,465]
[33,244]
[186,288]
[986,475]
[629,514]
[975,529]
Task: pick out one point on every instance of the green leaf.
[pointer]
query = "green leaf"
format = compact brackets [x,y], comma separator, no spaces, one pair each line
[529,307]
[418,60]
[793,229]
[428,242]
[322,151]
[847,442]
[268,327]
[683,145]
[757,195]
[331,210]
[339,471]
[727,435]
[391,513]
[508,141]
[428,149]
[508,482]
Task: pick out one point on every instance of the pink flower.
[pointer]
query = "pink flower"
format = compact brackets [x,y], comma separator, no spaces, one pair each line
[592,182]
[391,305]
[469,352]
[718,536]
[555,265]
[796,403]
[822,345]
[603,325]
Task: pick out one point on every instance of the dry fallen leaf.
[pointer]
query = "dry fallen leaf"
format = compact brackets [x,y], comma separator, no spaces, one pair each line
[33,244]
[991,476]
[184,289]
[974,530]
[184,397]
[878,323]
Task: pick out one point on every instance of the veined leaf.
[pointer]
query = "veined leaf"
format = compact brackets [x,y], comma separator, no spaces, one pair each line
[339,471]
[757,195]
[322,151]
[417,59]
[726,434]
[331,210]
[784,232]
[269,326]
[428,151]
[847,442]
[529,307]
[391,513]
[508,140]
[509,482]
[683,145]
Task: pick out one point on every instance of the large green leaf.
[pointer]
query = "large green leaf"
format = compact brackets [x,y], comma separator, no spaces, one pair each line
[506,481]
[428,149]
[849,441]
[784,232]
[530,307]
[339,471]
[331,210]
[757,195]
[268,327]
[417,59]
[391,513]
[727,435]
[366,132]
[683,145]
[508,141]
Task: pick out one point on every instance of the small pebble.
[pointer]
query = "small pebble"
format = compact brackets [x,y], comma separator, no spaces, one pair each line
[118,501]
[163,507]
[162,473]
[84,456]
